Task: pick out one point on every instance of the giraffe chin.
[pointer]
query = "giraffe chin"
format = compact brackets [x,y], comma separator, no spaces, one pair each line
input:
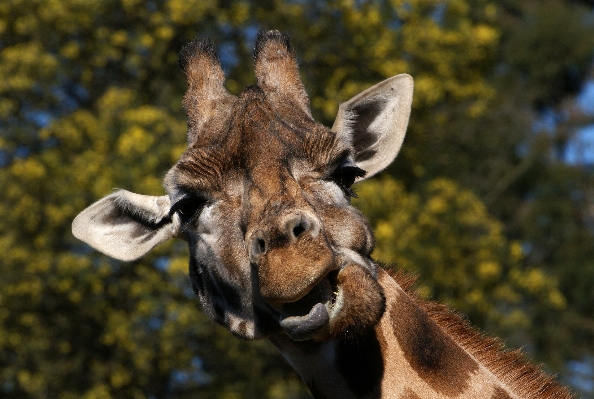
[345,304]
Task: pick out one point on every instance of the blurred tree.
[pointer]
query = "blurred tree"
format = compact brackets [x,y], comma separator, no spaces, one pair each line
[445,233]
[549,48]
[546,53]
[90,100]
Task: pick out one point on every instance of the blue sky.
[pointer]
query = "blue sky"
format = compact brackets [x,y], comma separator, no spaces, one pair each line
[581,148]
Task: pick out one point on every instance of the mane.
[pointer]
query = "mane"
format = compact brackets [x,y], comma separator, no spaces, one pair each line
[509,366]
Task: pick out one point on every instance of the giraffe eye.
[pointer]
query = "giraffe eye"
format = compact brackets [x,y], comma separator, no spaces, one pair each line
[188,207]
[345,175]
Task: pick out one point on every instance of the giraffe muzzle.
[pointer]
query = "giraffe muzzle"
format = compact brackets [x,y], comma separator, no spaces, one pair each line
[347,302]
[292,256]
[290,229]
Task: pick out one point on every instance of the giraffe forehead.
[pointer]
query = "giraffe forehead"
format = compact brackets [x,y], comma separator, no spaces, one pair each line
[275,129]
[260,143]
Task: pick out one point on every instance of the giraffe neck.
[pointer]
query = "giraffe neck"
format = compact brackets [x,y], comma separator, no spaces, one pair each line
[337,369]
[407,356]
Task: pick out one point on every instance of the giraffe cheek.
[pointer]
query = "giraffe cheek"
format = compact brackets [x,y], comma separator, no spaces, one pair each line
[350,231]
[361,239]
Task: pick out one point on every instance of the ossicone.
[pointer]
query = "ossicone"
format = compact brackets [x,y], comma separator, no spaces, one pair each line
[264,36]
[277,72]
[200,46]
[206,95]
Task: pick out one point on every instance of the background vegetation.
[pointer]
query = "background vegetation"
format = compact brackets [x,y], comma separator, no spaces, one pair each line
[491,200]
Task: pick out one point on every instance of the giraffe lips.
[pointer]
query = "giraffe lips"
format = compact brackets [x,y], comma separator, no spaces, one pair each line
[303,319]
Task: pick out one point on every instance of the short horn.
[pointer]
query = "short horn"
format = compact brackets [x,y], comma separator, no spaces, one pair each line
[276,69]
[206,92]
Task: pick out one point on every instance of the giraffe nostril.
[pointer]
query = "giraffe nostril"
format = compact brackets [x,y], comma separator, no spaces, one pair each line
[258,248]
[297,224]
[261,245]
[298,230]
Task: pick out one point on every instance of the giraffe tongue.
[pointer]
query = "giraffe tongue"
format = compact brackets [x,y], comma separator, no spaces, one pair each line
[300,328]
[303,319]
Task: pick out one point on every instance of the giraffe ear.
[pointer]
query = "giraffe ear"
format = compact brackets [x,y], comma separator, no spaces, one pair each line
[374,122]
[124,225]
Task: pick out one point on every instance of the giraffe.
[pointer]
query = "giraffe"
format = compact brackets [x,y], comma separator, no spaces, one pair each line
[262,197]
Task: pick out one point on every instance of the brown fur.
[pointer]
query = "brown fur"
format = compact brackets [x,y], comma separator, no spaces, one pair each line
[282,284]
[431,353]
[206,95]
[524,379]
[277,72]
[409,394]
[500,394]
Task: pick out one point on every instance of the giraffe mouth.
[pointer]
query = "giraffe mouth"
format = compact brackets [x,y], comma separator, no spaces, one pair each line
[305,318]
[347,302]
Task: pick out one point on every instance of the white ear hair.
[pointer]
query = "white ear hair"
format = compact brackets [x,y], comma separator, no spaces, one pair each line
[374,122]
[125,225]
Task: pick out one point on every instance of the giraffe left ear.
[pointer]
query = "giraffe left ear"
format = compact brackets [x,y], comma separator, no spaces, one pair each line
[125,225]
[374,122]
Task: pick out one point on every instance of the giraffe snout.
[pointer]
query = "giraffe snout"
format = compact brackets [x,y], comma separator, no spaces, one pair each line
[284,231]
[291,255]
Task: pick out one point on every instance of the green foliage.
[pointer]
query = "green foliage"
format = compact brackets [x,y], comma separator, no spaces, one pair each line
[555,62]
[445,234]
[90,101]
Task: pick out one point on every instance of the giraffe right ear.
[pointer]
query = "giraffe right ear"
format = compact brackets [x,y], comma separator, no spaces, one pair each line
[374,122]
[126,226]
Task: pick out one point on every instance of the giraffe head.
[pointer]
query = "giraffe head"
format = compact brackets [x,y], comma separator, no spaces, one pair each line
[262,196]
